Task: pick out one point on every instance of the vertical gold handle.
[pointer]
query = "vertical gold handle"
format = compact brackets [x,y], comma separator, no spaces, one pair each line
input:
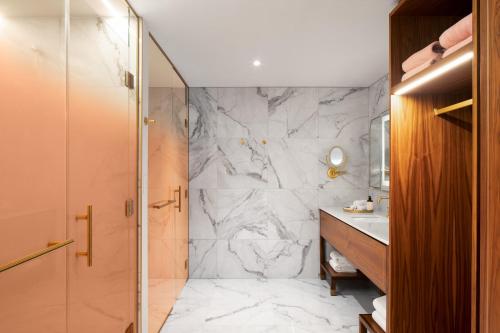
[88,218]
[179,206]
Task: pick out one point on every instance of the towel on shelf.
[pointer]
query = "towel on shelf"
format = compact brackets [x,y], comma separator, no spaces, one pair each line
[457,47]
[457,33]
[340,263]
[342,267]
[432,51]
[339,258]
[379,320]
[418,69]
[380,305]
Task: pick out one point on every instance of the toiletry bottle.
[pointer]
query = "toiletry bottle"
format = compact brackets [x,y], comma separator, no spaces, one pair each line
[369,203]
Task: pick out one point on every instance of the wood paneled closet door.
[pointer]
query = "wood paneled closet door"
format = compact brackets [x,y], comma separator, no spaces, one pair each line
[101,167]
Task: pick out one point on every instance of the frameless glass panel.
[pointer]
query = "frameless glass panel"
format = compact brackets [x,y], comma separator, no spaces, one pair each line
[102,147]
[33,167]
[168,211]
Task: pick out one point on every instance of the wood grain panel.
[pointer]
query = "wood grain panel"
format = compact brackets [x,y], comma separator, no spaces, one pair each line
[430,218]
[366,253]
[431,187]
[489,143]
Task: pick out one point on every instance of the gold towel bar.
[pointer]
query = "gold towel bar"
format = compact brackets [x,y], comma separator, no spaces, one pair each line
[161,204]
[453,107]
[51,247]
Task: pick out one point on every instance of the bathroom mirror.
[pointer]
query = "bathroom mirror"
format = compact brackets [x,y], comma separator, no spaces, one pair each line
[386,152]
[379,152]
[336,158]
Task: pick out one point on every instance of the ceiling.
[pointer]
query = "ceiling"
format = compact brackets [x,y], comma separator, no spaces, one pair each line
[301,43]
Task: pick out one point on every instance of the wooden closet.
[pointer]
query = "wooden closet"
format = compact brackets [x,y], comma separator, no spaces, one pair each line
[437,174]
[445,195]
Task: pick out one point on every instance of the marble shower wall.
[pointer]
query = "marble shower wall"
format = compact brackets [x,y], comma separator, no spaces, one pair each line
[258,176]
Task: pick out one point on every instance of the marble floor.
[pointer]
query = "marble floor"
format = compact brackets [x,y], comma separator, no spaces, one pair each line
[271,306]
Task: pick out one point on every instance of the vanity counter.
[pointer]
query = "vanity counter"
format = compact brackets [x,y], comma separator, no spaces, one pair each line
[373,225]
[361,238]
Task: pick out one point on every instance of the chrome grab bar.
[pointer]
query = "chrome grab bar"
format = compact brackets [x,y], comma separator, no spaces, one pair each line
[51,246]
[161,204]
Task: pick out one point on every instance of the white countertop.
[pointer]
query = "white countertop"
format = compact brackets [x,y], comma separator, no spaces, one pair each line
[374,225]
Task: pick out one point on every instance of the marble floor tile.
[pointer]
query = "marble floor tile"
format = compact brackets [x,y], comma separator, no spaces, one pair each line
[268,306]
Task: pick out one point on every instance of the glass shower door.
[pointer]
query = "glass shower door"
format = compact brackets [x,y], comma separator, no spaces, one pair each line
[101,167]
[168,180]
[32,167]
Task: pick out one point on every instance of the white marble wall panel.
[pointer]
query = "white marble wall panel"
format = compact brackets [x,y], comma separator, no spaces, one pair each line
[379,97]
[203,138]
[268,258]
[258,175]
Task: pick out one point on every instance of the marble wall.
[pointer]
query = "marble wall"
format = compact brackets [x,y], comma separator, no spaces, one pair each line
[258,175]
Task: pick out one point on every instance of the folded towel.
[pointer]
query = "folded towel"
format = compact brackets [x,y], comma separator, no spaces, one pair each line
[432,51]
[457,47]
[457,33]
[359,204]
[380,305]
[342,268]
[339,258]
[418,69]
[379,320]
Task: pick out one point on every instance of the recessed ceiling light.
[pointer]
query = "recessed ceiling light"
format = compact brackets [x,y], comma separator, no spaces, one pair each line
[257,63]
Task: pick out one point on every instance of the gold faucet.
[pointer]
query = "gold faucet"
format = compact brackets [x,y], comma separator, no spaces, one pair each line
[379,200]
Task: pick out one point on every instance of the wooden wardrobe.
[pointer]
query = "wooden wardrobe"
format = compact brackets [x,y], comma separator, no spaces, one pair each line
[445,200]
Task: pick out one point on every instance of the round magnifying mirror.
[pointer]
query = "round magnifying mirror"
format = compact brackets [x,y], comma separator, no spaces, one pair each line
[336,157]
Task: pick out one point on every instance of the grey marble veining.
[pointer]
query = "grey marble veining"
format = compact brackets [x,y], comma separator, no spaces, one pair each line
[258,174]
[261,305]
[379,97]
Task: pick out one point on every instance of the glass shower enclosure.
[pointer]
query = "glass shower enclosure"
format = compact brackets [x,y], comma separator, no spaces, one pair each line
[68,170]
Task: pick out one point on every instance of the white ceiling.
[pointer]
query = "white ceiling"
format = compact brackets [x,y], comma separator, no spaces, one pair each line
[301,43]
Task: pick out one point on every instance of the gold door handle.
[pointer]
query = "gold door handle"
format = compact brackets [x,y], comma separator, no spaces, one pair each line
[162,204]
[51,246]
[178,191]
[88,218]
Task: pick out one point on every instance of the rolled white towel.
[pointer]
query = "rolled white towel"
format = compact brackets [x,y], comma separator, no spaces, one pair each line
[380,305]
[339,259]
[342,268]
[379,320]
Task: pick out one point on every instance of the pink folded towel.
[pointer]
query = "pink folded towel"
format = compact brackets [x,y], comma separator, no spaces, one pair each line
[457,33]
[418,69]
[457,47]
[432,51]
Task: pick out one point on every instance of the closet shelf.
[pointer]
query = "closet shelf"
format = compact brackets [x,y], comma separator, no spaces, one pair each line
[448,75]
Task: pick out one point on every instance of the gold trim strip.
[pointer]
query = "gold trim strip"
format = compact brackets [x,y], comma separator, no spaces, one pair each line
[52,247]
[453,107]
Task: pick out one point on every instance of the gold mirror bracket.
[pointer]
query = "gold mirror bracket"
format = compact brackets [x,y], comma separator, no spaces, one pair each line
[332,172]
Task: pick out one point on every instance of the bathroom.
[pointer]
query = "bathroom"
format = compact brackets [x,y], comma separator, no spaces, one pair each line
[244,166]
